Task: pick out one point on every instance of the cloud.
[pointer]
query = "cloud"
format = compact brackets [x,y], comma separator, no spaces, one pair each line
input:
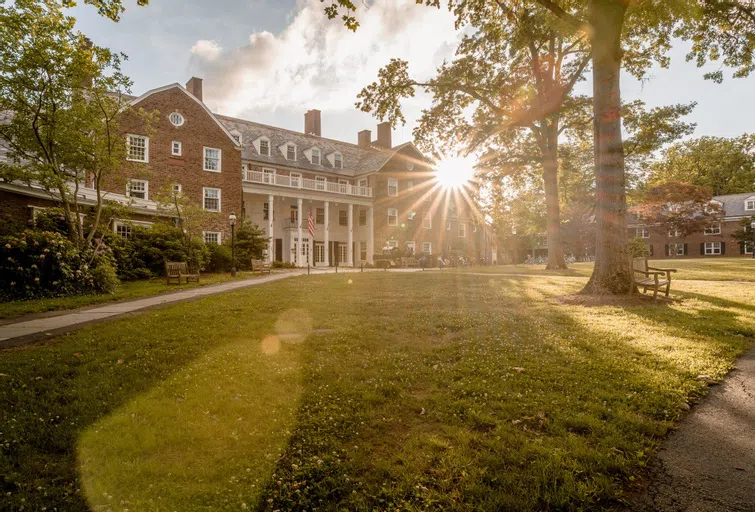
[317,63]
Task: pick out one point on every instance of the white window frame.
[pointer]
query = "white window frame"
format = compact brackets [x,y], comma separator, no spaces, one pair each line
[427,247]
[146,189]
[411,245]
[129,223]
[362,182]
[642,232]
[295,179]
[321,183]
[394,216]
[363,250]
[393,244]
[427,220]
[674,233]
[462,230]
[130,136]
[259,149]
[219,233]
[204,198]
[268,175]
[343,186]
[290,145]
[749,206]
[179,122]
[318,154]
[176,148]
[748,247]
[392,183]
[714,229]
[204,159]
[676,249]
[712,248]
[337,160]
[177,188]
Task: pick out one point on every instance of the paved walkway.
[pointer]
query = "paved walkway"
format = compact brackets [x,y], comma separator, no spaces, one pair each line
[708,464]
[22,332]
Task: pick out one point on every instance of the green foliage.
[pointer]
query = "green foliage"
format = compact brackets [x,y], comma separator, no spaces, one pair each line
[220,258]
[726,166]
[146,250]
[283,264]
[251,241]
[681,207]
[746,232]
[36,264]
[638,248]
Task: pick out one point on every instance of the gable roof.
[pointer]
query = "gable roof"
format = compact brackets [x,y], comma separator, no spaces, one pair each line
[733,207]
[190,95]
[356,160]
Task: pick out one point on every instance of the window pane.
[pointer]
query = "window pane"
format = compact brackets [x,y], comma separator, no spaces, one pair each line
[211,159]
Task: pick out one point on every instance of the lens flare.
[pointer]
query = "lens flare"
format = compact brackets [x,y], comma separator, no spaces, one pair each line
[455,172]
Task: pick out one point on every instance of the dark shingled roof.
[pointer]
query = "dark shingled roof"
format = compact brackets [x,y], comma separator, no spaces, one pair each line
[356,160]
[732,204]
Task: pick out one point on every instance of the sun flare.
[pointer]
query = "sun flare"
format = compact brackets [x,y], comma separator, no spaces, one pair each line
[455,172]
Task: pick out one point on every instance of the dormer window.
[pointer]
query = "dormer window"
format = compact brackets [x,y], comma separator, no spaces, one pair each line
[315,156]
[338,161]
[236,136]
[262,145]
[290,152]
[750,204]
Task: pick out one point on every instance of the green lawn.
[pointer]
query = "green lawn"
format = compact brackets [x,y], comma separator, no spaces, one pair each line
[708,269]
[126,290]
[426,391]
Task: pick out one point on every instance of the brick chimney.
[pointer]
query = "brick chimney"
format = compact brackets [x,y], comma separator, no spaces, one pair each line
[312,123]
[365,138]
[194,86]
[384,135]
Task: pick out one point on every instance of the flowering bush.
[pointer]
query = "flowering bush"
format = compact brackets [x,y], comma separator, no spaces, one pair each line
[47,264]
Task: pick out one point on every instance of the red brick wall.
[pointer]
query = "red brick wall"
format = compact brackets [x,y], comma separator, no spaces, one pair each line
[15,208]
[198,130]
[659,239]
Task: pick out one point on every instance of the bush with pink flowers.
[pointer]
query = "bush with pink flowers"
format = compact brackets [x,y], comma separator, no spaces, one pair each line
[37,264]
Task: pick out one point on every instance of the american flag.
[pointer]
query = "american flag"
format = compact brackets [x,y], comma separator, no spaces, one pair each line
[311,224]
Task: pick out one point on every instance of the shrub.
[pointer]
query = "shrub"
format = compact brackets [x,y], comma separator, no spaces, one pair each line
[37,264]
[283,264]
[637,248]
[220,258]
[250,242]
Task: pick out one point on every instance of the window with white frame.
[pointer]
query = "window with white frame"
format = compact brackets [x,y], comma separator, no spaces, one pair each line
[642,232]
[268,175]
[176,119]
[392,244]
[138,148]
[427,220]
[236,136]
[211,201]
[462,230]
[320,182]
[343,186]
[363,250]
[712,248]
[290,152]
[123,228]
[715,229]
[264,147]
[138,189]
[319,215]
[392,187]
[211,237]
[362,217]
[675,249]
[177,189]
[265,211]
[212,159]
[343,218]
[362,182]
[674,233]
[392,217]
[747,247]
[750,204]
[315,157]
[427,247]
[295,179]
[338,161]
[175,148]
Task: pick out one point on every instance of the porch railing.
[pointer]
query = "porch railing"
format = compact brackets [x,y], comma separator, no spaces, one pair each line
[306,184]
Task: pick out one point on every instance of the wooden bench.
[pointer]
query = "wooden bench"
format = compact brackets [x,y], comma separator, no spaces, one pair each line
[261,266]
[649,278]
[178,270]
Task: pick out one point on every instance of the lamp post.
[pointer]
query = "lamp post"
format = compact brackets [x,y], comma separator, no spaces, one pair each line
[232,222]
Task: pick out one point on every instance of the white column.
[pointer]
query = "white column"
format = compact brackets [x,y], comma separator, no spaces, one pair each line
[327,234]
[370,236]
[299,245]
[350,247]
[270,234]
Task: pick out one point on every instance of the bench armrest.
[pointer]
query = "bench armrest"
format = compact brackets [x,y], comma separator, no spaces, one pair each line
[663,269]
[647,273]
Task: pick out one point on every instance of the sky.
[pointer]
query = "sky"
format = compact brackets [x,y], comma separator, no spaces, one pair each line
[270,61]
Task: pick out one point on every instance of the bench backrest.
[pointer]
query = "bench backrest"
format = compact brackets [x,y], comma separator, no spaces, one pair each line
[640,264]
[174,268]
[258,264]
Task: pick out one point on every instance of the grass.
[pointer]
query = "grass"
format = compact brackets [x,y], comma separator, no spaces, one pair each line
[126,291]
[441,391]
[706,269]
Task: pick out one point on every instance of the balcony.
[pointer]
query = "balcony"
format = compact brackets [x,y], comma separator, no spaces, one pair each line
[306,184]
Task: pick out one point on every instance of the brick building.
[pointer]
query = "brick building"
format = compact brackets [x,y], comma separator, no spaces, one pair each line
[715,240]
[362,197]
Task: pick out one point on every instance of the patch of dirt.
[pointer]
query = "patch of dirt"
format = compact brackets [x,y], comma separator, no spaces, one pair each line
[621,301]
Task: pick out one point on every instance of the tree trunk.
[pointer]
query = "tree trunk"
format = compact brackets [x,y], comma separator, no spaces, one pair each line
[611,272]
[553,209]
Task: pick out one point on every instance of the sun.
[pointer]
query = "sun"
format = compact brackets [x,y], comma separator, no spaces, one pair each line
[455,172]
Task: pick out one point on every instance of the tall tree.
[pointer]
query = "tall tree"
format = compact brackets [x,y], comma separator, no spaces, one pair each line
[516,72]
[726,166]
[631,35]
[62,97]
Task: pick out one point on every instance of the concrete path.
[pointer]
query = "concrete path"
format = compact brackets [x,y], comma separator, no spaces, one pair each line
[18,333]
[708,464]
